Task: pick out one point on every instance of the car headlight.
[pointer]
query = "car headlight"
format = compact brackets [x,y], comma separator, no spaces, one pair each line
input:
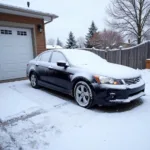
[107,80]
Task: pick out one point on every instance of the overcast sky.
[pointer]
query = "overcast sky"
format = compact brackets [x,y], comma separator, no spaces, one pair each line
[74,15]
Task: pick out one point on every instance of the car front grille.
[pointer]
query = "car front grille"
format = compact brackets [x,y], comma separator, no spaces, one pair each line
[132,81]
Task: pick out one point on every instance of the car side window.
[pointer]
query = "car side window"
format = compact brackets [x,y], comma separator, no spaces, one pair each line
[57,56]
[45,56]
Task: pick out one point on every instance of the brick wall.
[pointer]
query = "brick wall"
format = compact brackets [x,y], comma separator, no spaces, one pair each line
[40,37]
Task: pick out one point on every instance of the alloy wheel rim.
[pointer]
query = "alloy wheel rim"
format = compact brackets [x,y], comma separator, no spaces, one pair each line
[82,95]
[33,80]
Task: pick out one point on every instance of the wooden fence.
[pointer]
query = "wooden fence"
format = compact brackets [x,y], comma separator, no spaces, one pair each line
[134,57]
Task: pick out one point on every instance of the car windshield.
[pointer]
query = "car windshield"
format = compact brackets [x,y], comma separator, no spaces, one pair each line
[82,57]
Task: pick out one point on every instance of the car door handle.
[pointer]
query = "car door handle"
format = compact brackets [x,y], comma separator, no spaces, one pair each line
[37,64]
[50,67]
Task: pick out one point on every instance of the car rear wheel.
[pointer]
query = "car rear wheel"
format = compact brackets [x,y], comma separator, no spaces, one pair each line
[34,80]
[83,94]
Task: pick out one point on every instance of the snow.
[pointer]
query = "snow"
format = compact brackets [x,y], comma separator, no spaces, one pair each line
[5,137]
[12,102]
[82,57]
[28,10]
[92,49]
[129,99]
[96,65]
[53,47]
[112,70]
[136,45]
[66,126]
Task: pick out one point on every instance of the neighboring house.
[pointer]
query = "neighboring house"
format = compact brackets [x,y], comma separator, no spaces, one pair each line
[22,37]
[49,47]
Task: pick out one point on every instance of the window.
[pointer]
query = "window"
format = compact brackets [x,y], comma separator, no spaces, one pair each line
[45,56]
[57,56]
[8,32]
[22,33]
[38,58]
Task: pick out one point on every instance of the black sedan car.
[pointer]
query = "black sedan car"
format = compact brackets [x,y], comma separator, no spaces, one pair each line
[85,76]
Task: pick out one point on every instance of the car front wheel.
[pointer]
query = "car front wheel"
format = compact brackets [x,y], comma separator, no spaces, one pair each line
[83,94]
[34,80]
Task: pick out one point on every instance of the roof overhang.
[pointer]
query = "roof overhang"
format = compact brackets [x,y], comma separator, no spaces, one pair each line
[8,9]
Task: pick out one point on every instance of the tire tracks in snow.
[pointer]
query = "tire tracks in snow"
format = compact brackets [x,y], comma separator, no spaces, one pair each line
[12,144]
[3,127]
[23,117]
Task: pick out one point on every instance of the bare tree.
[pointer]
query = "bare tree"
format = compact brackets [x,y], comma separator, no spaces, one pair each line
[81,42]
[51,41]
[130,17]
[95,40]
[107,38]
[58,42]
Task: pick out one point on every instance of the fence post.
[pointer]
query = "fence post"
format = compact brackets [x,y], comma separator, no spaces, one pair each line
[93,48]
[148,49]
[106,54]
[120,49]
[107,48]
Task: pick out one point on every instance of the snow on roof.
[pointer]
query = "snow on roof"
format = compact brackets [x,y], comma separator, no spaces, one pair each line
[57,46]
[53,47]
[9,9]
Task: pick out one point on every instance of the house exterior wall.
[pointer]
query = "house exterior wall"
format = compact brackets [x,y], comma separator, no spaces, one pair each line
[148,64]
[38,38]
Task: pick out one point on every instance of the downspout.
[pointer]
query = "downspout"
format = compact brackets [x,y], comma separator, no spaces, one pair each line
[47,23]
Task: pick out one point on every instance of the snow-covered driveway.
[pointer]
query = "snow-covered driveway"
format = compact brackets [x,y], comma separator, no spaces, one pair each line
[42,119]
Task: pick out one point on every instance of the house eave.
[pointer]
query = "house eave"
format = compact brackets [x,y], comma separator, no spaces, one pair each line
[8,9]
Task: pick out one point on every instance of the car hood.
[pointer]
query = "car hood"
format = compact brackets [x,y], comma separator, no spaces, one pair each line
[111,70]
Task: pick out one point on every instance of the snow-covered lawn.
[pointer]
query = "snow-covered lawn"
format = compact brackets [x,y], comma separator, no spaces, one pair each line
[42,119]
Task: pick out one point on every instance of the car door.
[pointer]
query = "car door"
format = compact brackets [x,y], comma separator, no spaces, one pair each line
[59,76]
[42,66]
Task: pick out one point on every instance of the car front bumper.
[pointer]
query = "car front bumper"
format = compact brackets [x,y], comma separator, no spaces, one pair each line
[112,95]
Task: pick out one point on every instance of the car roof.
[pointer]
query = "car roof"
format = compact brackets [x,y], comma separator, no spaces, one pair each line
[64,51]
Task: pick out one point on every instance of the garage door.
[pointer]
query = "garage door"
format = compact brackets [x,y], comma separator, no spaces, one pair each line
[15,51]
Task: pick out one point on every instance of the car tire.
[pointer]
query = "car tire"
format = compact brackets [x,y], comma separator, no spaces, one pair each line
[83,94]
[34,80]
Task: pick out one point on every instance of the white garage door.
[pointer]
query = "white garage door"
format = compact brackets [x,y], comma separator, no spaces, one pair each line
[15,51]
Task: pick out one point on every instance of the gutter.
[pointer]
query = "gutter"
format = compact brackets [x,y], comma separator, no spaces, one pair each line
[52,18]
[49,21]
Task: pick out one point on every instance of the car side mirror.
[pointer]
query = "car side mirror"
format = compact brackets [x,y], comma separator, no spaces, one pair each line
[62,64]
